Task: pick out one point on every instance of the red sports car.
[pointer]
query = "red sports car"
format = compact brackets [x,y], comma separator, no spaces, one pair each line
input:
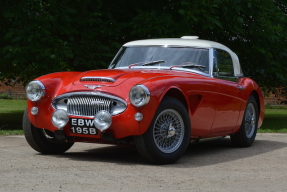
[157,94]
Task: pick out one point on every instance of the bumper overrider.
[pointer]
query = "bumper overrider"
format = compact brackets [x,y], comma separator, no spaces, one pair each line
[87,114]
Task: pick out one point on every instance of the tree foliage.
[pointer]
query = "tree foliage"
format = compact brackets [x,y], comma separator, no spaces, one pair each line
[40,37]
[43,36]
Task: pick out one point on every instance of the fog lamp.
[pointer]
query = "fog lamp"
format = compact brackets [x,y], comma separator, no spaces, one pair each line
[103,120]
[60,118]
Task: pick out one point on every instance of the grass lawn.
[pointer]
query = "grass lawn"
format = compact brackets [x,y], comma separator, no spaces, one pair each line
[275,121]
[11,113]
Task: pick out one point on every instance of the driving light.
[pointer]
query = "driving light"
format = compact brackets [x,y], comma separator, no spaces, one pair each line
[60,118]
[103,120]
[139,95]
[35,90]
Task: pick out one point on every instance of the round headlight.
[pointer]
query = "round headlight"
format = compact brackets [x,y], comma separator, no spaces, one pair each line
[139,95]
[35,90]
[103,120]
[60,118]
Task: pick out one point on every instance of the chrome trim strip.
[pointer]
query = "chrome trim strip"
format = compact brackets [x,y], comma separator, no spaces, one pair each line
[211,64]
[226,78]
[102,79]
[190,70]
[91,93]
[166,68]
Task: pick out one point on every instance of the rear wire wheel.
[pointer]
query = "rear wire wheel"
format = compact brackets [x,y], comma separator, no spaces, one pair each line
[168,136]
[247,133]
[43,140]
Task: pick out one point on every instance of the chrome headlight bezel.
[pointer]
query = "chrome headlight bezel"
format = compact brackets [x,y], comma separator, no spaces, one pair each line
[139,95]
[35,90]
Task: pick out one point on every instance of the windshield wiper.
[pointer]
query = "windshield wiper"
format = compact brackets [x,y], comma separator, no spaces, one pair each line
[153,62]
[147,63]
[189,65]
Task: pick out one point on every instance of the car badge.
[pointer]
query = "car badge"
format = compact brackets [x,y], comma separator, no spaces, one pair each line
[92,86]
[97,103]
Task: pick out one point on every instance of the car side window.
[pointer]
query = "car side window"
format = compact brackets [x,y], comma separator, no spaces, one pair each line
[223,65]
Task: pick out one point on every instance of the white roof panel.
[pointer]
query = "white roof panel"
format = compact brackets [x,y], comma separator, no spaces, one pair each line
[188,41]
[177,42]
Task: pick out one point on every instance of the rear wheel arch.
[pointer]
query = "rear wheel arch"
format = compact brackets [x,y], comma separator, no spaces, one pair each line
[256,96]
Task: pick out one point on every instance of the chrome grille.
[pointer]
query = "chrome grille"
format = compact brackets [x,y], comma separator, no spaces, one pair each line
[87,105]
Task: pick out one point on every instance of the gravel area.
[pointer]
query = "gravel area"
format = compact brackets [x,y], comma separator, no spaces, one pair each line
[213,165]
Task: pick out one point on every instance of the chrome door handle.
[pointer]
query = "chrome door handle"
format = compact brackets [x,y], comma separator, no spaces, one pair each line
[240,88]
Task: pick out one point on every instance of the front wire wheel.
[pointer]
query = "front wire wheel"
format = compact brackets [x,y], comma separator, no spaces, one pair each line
[168,136]
[247,133]
[168,131]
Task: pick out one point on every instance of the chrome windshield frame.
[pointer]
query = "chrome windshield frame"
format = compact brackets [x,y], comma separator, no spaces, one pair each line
[165,68]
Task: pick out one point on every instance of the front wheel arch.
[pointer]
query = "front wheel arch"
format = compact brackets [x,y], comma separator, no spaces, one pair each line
[42,140]
[177,94]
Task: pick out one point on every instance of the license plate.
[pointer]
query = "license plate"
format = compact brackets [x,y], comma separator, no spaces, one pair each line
[83,126]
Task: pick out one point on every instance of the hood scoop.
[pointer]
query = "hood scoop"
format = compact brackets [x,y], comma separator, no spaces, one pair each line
[98,79]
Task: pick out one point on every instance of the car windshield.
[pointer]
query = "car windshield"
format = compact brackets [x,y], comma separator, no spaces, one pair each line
[187,57]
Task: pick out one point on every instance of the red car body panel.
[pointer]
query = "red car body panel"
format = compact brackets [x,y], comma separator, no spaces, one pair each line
[216,107]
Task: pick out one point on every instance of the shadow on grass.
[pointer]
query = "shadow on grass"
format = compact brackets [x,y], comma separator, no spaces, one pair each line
[11,121]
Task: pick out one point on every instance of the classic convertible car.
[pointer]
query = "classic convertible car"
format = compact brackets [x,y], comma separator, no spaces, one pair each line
[158,94]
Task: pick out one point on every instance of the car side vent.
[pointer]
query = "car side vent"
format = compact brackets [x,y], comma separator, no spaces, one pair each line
[101,79]
[195,100]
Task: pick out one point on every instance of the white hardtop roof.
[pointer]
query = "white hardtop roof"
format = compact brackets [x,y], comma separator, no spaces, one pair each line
[188,41]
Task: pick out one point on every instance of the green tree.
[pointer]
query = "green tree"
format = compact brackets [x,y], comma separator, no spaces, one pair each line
[43,36]
[254,29]
[40,37]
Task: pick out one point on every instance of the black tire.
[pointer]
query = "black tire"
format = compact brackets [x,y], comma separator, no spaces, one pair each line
[247,133]
[168,135]
[42,140]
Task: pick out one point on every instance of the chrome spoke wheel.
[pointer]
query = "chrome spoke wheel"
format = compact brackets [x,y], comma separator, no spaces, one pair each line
[168,131]
[248,129]
[250,120]
[168,135]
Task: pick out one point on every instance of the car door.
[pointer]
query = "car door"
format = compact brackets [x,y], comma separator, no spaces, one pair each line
[229,100]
